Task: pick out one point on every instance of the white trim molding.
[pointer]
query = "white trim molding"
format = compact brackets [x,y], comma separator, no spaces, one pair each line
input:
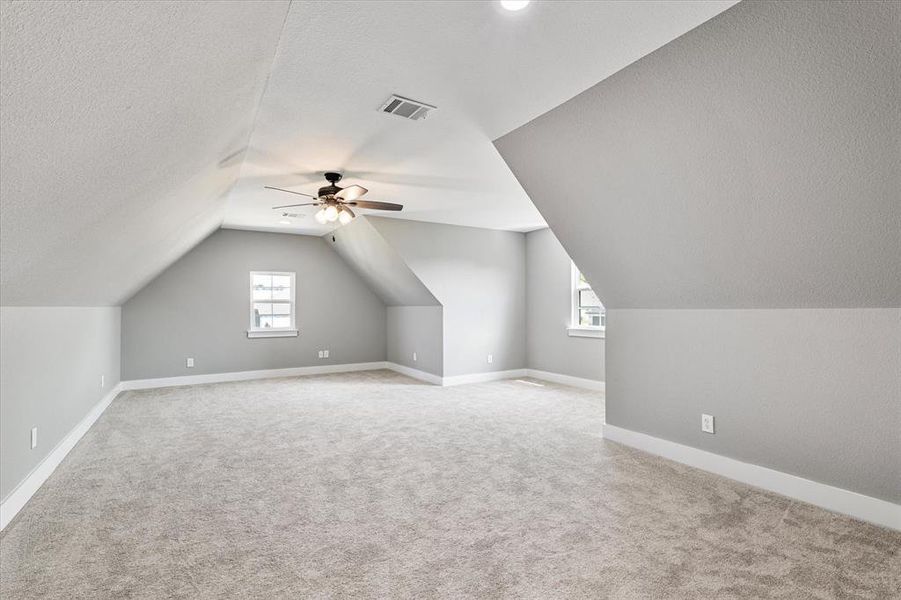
[271,333]
[144,384]
[23,492]
[414,373]
[825,496]
[482,377]
[588,332]
[579,382]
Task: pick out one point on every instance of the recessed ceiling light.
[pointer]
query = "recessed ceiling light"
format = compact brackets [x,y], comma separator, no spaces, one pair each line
[514,4]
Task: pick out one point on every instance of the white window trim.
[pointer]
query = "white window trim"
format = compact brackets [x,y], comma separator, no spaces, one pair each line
[574,329]
[271,332]
[588,332]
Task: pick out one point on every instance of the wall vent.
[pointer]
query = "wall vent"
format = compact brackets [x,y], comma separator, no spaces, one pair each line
[406,108]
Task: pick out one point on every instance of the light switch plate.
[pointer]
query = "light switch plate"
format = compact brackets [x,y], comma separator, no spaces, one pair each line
[707,423]
[414,357]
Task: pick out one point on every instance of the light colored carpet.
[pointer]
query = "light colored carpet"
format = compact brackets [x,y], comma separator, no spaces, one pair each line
[372,485]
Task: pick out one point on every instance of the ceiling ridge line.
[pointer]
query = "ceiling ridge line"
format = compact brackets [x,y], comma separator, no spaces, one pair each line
[259,102]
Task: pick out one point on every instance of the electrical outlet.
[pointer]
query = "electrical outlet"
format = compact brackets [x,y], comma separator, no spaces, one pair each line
[414,357]
[189,363]
[490,358]
[321,355]
[325,354]
[102,381]
[707,423]
[34,438]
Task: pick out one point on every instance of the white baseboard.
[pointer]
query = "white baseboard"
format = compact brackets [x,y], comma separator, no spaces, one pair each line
[144,384]
[826,496]
[482,377]
[579,382]
[414,373]
[17,498]
[456,379]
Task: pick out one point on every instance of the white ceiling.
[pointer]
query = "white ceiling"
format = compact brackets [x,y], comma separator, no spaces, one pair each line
[488,71]
[116,121]
[124,126]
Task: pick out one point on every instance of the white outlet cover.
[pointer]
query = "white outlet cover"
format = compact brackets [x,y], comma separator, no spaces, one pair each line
[102,381]
[325,354]
[414,357]
[321,354]
[707,423]
[34,438]
[490,358]
[189,363]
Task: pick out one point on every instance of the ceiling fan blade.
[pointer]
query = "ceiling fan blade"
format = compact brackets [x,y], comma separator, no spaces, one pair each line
[377,205]
[269,187]
[347,208]
[351,192]
[293,205]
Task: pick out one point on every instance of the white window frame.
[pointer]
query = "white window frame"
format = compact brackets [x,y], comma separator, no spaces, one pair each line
[271,332]
[575,329]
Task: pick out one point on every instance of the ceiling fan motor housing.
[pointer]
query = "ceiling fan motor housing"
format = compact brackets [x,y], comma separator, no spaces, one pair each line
[332,189]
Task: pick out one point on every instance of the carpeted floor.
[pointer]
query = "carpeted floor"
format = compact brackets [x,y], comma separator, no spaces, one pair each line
[372,485]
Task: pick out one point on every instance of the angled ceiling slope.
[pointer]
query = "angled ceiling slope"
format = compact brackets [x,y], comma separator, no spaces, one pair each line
[488,70]
[123,128]
[379,265]
[753,162]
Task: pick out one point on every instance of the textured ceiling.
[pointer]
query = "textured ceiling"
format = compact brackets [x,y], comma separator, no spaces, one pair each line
[487,70]
[125,126]
[753,162]
[118,120]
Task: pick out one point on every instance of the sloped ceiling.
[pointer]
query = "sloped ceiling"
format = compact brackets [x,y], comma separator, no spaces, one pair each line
[488,70]
[125,125]
[123,128]
[379,264]
[753,162]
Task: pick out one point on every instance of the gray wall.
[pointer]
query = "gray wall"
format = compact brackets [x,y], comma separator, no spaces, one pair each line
[750,163]
[53,358]
[417,329]
[478,275]
[199,308]
[548,313]
[815,393]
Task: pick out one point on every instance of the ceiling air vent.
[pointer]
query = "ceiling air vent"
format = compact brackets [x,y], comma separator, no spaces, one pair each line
[406,108]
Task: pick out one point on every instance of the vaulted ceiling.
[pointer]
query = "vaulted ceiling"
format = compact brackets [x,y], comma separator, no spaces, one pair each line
[119,122]
[130,131]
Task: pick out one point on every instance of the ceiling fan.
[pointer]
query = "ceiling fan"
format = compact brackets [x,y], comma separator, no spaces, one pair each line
[336,201]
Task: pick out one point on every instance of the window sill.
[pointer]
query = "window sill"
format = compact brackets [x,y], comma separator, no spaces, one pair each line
[273,333]
[589,332]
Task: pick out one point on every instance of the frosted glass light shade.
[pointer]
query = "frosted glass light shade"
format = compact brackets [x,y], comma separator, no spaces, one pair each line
[331,213]
[320,216]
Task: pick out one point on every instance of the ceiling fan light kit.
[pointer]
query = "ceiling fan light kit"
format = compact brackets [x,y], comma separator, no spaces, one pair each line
[336,201]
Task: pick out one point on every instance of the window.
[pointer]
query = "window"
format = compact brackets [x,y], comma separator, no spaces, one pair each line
[271,304]
[589,319]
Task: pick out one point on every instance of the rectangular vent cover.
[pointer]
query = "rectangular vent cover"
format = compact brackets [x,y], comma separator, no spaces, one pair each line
[406,108]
